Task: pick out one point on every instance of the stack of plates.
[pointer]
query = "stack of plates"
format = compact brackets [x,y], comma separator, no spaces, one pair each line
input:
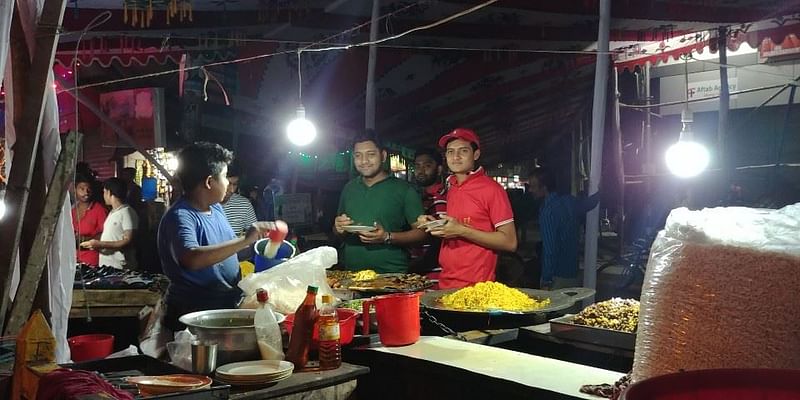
[248,373]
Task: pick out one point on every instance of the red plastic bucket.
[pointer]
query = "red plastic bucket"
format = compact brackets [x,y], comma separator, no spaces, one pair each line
[90,347]
[347,326]
[398,318]
[719,384]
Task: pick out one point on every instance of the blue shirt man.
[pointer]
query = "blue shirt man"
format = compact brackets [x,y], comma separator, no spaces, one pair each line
[558,228]
[183,228]
[196,243]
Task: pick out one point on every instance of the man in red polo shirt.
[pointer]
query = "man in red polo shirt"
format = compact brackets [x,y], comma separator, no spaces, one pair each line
[479,217]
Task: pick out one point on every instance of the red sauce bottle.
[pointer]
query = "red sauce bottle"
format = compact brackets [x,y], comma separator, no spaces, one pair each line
[303,330]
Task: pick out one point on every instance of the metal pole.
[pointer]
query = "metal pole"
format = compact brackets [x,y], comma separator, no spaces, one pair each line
[596,161]
[724,106]
[648,127]
[373,55]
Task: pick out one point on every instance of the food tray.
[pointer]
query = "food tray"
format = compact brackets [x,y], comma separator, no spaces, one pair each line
[114,370]
[563,327]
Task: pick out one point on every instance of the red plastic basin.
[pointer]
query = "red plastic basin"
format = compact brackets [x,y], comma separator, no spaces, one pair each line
[90,347]
[719,384]
[347,326]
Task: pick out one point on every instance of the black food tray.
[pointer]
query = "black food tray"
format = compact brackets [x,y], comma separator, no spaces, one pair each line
[565,328]
[115,370]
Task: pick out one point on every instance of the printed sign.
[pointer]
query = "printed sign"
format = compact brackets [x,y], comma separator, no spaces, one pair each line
[703,89]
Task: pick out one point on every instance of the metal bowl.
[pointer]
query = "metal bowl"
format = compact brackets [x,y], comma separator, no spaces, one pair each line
[233,330]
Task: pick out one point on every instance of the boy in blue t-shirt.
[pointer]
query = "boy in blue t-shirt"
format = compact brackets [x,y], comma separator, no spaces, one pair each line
[196,244]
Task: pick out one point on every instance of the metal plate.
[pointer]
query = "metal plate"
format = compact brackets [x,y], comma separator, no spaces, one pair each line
[560,299]
[563,327]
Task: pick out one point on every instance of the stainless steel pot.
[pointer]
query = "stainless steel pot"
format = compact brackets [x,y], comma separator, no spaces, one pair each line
[233,331]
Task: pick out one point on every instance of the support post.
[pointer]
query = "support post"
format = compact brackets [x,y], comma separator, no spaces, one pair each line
[620,164]
[32,272]
[373,55]
[596,161]
[724,107]
[27,144]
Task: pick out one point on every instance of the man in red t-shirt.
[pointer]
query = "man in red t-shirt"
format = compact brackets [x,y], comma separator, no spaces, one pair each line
[479,217]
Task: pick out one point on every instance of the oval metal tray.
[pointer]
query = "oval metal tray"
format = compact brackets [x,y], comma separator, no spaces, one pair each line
[560,299]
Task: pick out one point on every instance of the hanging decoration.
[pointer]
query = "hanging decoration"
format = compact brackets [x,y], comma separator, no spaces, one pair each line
[139,13]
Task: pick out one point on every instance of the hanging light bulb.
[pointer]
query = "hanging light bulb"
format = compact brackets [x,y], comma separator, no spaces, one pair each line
[300,131]
[687,158]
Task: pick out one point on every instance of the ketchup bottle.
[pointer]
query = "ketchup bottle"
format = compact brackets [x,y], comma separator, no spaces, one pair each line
[303,330]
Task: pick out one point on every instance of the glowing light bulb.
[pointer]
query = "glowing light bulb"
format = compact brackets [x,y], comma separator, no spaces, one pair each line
[687,159]
[301,131]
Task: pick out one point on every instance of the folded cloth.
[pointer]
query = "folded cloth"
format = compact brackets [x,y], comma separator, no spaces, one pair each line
[73,384]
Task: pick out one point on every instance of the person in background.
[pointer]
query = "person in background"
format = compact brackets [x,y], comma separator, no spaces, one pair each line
[480,221]
[238,210]
[428,176]
[116,242]
[88,217]
[558,228]
[134,197]
[196,244]
[376,199]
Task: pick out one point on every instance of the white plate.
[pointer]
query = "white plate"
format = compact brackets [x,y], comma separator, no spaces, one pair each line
[433,224]
[246,369]
[358,228]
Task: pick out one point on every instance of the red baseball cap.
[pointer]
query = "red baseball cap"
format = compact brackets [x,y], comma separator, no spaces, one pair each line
[460,133]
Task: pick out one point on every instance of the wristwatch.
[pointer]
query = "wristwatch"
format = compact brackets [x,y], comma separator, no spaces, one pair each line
[388,238]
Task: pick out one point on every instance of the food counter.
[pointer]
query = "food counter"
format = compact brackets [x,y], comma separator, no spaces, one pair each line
[436,367]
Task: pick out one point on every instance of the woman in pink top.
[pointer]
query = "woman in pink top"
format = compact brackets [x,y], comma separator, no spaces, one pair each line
[88,217]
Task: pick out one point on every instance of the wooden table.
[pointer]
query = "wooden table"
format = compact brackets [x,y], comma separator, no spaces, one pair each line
[111,302]
[333,384]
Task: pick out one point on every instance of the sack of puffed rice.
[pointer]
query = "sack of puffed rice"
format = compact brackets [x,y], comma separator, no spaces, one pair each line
[721,291]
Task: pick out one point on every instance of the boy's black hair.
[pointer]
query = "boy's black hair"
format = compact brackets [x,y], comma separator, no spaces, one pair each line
[368,136]
[432,153]
[545,177]
[200,160]
[117,187]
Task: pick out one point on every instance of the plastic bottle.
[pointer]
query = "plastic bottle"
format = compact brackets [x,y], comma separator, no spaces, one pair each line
[303,330]
[268,333]
[330,348]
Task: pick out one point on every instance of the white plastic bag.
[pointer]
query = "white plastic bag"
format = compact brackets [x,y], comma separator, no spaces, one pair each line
[130,351]
[287,282]
[721,292]
[180,351]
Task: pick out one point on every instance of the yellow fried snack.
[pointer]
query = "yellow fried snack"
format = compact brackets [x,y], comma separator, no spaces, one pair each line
[364,275]
[485,296]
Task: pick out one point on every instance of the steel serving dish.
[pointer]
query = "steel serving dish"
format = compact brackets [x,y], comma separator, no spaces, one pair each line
[564,327]
[232,329]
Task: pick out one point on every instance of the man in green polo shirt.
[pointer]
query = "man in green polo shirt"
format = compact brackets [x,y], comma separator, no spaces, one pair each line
[378,200]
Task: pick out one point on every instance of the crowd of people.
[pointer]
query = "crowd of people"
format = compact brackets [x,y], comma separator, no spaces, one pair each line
[454,227]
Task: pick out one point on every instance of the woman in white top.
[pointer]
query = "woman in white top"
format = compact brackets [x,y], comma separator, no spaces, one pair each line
[116,243]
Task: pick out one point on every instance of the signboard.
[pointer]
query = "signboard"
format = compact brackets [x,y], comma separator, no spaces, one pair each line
[710,88]
[295,209]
